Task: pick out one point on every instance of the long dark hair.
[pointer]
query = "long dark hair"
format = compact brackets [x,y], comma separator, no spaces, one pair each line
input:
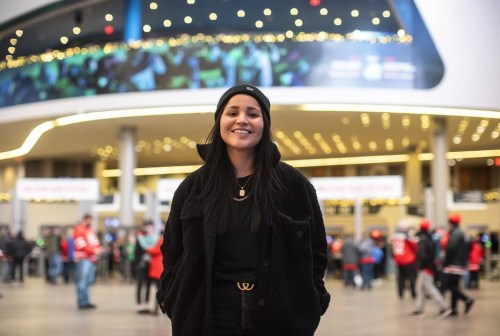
[219,179]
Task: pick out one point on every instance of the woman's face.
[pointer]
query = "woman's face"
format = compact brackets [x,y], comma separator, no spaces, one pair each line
[241,123]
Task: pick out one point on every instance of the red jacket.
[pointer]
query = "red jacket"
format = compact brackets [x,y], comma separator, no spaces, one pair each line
[156,263]
[476,256]
[403,250]
[87,245]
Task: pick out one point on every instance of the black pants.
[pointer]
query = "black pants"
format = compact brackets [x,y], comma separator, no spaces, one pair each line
[143,285]
[407,273]
[232,309]
[17,264]
[473,280]
[452,283]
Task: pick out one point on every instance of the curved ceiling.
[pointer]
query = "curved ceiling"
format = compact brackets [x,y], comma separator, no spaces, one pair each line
[167,140]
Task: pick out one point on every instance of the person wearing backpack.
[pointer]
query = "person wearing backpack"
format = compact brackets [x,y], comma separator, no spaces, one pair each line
[425,278]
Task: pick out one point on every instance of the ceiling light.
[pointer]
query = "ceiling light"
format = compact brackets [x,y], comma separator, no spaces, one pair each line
[146,28]
[64,40]
[389,144]
[457,139]
[323,11]
[108,17]
[298,23]
[386,14]
[76,30]
[405,142]
[337,21]
[190,2]
[429,110]
[405,122]
[294,11]
[355,13]
[29,142]
[259,24]
[13,41]
[365,119]
[267,12]
[376,21]
[19,33]
[241,13]
[167,23]
[212,16]
[315,162]
[153,6]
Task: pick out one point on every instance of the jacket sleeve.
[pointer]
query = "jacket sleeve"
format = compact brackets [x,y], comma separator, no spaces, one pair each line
[319,248]
[171,247]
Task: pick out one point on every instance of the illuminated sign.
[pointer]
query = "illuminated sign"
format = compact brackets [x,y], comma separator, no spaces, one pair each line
[59,189]
[360,187]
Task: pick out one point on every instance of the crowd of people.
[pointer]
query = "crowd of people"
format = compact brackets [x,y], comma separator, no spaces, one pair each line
[13,252]
[77,255]
[428,264]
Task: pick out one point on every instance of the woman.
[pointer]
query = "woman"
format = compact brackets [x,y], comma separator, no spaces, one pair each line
[244,249]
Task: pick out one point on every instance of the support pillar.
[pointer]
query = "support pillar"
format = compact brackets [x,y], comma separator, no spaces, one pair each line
[127,178]
[358,220]
[413,178]
[18,205]
[440,172]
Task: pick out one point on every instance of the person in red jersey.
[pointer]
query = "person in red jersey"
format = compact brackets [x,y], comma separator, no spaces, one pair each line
[87,250]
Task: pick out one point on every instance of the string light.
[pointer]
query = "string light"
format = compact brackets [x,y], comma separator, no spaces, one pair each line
[202,38]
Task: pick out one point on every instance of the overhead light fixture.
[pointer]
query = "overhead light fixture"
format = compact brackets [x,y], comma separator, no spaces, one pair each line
[44,127]
[29,142]
[402,109]
[360,160]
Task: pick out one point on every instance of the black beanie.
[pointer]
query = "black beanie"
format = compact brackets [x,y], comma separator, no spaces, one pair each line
[247,89]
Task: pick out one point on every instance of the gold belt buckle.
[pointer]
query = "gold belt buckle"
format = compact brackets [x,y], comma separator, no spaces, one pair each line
[245,286]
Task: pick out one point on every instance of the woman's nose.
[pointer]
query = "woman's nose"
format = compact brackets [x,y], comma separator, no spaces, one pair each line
[242,118]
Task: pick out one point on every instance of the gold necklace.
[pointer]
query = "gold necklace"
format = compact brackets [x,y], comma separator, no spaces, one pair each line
[240,199]
[242,189]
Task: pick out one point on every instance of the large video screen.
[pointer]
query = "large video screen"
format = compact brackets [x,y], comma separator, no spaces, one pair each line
[157,65]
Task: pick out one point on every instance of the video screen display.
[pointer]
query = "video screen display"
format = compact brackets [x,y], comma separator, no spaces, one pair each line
[158,66]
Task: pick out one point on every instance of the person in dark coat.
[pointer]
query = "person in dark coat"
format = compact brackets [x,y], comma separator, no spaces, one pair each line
[244,249]
[20,250]
[455,264]
[350,261]
[425,279]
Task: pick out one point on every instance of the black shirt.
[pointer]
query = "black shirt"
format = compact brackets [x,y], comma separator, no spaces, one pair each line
[236,250]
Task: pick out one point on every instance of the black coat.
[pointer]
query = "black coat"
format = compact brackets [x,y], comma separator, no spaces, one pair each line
[425,251]
[457,249]
[290,292]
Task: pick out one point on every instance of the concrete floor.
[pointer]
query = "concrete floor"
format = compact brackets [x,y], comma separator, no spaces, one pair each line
[37,308]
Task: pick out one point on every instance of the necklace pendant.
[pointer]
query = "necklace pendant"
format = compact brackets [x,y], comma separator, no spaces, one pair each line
[242,193]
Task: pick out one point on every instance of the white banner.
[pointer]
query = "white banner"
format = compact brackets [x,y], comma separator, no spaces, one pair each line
[67,189]
[361,187]
[166,187]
